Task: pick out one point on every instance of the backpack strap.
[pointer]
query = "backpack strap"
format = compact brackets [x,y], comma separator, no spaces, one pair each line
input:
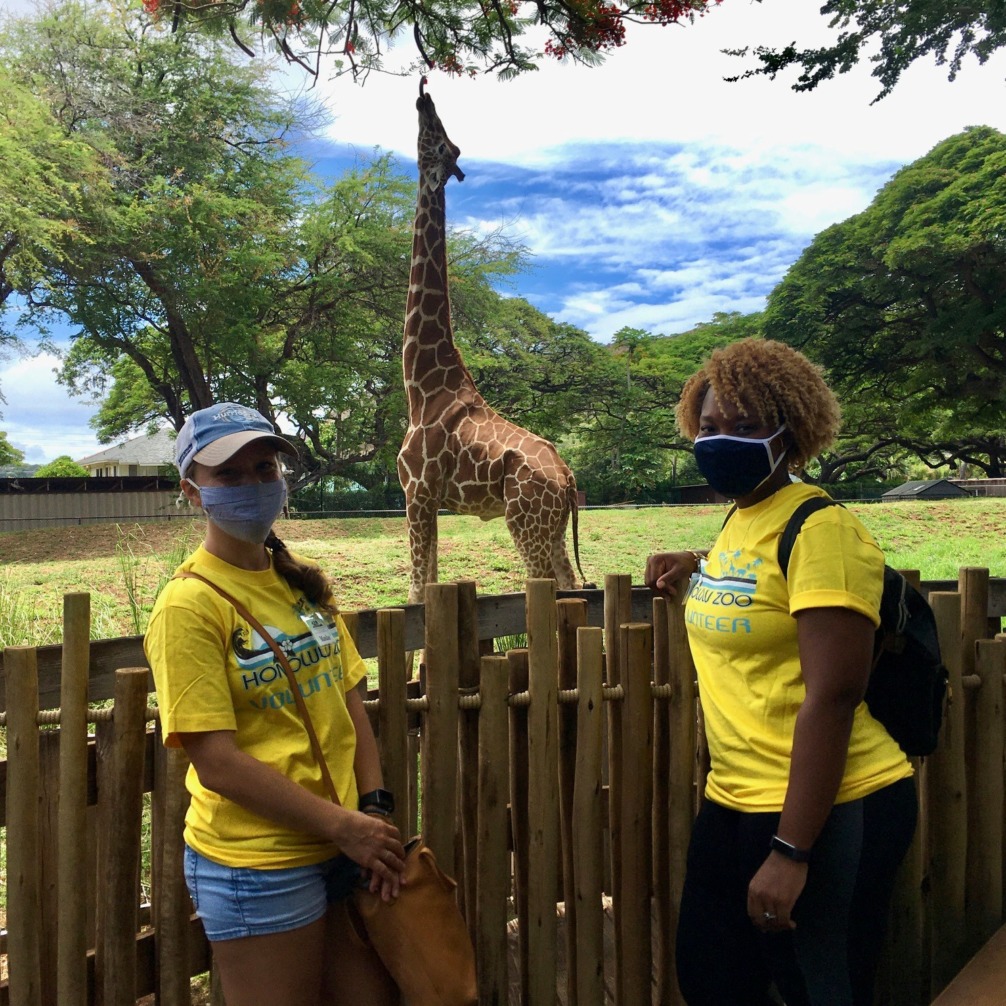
[795,524]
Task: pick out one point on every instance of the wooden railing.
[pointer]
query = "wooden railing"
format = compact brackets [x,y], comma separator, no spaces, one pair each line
[566,771]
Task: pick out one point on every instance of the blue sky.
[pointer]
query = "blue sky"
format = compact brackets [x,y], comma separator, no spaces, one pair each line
[650,192]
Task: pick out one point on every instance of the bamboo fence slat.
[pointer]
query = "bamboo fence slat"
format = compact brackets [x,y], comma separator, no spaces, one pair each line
[633,904]
[72,918]
[469,669]
[440,753]
[23,868]
[571,615]
[491,865]
[985,912]
[543,795]
[588,809]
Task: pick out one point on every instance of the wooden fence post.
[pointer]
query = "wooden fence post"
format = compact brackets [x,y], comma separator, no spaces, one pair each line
[973,584]
[946,802]
[572,614]
[392,717]
[617,612]
[518,671]
[440,727]
[985,912]
[469,663]
[491,866]
[662,954]
[71,965]
[172,901]
[543,795]
[24,910]
[636,650]
[683,775]
[587,832]
[125,804]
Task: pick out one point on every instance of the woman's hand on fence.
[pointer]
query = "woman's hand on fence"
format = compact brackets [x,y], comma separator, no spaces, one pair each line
[372,841]
[665,569]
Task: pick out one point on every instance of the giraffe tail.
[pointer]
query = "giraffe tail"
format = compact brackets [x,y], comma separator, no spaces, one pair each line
[574,509]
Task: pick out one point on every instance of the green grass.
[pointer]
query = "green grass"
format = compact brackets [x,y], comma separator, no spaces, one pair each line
[124,568]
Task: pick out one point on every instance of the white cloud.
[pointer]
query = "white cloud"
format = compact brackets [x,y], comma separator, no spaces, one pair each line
[39,417]
[652,193]
[667,85]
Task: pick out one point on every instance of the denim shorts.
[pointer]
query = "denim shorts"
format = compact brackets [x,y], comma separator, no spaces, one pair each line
[234,902]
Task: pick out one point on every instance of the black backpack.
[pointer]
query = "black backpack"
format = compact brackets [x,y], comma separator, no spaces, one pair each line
[908,682]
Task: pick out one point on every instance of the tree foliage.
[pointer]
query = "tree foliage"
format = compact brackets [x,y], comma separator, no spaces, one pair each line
[9,454]
[890,35]
[62,467]
[459,36]
[47,178]
[905,303]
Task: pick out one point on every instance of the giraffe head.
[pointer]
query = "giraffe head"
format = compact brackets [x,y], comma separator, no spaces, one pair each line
[438,157]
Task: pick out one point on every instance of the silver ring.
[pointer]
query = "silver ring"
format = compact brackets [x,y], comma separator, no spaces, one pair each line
[768,916]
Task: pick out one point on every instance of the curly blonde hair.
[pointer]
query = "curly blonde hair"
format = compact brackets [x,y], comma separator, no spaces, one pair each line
[772,382]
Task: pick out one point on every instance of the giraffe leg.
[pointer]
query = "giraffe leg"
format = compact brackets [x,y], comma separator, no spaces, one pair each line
[421,514]
[531,508]
[565,578]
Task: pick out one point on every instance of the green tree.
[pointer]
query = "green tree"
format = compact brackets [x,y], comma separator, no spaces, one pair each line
[9,454]
[895,35]
[905,303]
[459,36]
[537,372]
[217,267]
[62,467]
[46,180]
[628,446]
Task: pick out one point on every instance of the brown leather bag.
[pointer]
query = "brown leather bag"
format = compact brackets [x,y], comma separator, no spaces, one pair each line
[421,936]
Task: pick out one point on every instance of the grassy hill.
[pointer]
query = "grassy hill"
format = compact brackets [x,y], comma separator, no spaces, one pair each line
[123,566]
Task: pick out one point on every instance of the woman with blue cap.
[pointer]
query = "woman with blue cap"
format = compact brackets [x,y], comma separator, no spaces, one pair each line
[270,860]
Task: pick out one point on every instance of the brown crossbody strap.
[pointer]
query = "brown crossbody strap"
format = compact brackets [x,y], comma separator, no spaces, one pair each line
[319,756]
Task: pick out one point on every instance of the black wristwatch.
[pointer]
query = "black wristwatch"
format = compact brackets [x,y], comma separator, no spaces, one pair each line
[789,851]
[378,801]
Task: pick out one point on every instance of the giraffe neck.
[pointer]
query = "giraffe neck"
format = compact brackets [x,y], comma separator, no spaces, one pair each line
[431,363]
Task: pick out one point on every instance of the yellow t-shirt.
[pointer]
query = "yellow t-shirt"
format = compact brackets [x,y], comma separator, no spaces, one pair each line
[743,640]
[213,672]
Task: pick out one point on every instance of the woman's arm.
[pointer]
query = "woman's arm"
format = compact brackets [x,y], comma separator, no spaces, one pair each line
[367,839]
[836,648]
[367,764]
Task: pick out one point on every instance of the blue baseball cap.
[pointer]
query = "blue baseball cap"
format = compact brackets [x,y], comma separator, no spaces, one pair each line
[210,436]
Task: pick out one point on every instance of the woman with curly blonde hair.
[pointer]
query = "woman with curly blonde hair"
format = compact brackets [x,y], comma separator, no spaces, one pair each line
[809,803]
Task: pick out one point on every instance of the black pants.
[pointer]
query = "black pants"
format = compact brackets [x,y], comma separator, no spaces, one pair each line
[830,959]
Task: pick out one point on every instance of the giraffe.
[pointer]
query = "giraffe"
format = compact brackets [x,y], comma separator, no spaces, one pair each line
[458,452]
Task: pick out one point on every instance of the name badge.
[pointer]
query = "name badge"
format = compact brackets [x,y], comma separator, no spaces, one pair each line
[325,634]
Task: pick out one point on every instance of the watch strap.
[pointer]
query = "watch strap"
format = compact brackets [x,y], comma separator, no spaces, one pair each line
[789,850]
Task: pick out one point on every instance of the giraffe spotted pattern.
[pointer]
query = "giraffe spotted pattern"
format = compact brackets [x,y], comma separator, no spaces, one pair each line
[459,453]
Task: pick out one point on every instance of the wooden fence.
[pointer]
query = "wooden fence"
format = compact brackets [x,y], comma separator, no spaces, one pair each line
[564,772]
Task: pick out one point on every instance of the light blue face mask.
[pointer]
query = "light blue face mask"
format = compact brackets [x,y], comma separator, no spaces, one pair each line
[244,512]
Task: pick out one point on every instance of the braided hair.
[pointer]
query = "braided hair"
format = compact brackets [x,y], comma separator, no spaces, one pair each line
[303,576]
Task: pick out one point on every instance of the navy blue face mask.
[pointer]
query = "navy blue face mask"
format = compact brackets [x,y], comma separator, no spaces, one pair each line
[736,466]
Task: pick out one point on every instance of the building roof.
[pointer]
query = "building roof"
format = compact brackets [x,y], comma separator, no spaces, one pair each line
[926,487]
[150,449]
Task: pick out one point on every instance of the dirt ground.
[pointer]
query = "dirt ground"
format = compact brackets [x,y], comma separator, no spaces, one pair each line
[92,541]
